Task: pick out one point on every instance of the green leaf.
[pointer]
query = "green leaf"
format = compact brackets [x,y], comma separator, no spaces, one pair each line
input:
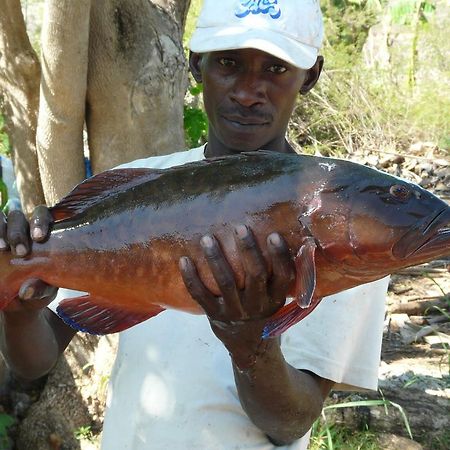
[5,422]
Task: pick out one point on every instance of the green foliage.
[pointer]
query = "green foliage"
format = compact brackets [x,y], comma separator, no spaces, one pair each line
[84,433]
[4,140]
[339,437]
[347,24]
[191,19]
[5,422]
[195,119]
[195,126]
[405,12]
[360,108]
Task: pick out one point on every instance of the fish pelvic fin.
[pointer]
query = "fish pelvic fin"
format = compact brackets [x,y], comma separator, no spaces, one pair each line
[286,317]
[84,314]
[99,187]
[305,268]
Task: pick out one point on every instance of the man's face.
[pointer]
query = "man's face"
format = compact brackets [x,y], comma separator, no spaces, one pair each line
[249,96]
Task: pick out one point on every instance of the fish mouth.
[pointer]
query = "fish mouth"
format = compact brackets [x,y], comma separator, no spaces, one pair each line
[427,240]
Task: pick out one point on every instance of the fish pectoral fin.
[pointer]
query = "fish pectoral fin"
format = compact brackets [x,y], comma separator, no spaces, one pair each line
[85,314]
[305,268]
[287,316]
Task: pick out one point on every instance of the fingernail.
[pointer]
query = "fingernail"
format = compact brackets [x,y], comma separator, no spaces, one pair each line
[21,250]
[3,245]
[183,262]
[274,239]
[37,233]
[27,293]
[206,241]
[241,231]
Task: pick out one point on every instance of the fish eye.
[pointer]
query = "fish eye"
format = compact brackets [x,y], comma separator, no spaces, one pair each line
[400,191]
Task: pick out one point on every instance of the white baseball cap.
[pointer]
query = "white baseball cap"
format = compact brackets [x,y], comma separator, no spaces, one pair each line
[291,30]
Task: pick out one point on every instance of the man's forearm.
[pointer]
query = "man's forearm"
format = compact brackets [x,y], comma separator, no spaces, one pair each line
[31,342]
[281,400]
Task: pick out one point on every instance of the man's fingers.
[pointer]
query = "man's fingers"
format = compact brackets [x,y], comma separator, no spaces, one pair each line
[17,233]
[35,289]
[224,277]
[283,269]
[254,267]
[40,223]
[195,286]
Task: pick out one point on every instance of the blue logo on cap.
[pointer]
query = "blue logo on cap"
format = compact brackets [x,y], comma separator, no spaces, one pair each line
[258,7]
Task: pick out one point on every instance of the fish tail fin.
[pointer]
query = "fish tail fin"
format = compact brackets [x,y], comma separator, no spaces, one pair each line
[286,317]
[87,314]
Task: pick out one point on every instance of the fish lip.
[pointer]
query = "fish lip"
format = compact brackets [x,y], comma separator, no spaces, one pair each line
[426,238]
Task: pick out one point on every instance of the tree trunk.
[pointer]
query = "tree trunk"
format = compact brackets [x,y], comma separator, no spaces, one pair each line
[124,60]
[19,87]
[65,38]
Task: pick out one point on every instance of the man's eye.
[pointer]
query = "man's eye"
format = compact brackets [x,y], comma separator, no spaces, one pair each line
[227,62]
[277,68]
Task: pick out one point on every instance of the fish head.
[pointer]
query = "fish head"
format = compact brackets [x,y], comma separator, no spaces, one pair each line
[371,224]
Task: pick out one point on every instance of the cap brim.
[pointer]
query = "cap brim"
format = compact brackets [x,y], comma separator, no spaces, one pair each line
[279,45]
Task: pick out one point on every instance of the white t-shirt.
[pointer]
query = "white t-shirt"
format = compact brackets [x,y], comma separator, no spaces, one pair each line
[172,386]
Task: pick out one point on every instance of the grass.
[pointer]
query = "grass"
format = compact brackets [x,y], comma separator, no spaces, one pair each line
[327,437]
[331,436]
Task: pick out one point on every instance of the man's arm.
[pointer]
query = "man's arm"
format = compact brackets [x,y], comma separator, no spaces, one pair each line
[281,400]
[31,336]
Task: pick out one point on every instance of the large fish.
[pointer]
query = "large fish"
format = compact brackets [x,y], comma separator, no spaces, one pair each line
[119,235]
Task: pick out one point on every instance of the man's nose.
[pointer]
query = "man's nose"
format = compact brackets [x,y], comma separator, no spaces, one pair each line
[249,90]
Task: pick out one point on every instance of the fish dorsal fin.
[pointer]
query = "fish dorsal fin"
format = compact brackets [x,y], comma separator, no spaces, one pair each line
[99,187]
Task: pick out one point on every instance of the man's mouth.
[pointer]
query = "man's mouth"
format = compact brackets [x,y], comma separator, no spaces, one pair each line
[246,121]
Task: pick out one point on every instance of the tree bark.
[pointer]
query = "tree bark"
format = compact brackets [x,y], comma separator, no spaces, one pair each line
[65,41]
[136,81]
[19,87]
[123,61]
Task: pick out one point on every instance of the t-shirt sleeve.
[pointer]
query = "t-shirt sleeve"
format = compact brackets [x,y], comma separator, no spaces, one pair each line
[341,340]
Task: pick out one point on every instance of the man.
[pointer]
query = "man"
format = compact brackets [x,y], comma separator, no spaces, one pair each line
[174,384]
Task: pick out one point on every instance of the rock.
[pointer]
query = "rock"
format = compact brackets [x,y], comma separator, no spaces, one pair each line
[394,442]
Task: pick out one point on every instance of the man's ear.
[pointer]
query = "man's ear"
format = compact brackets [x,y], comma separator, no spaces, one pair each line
[194,66]
[312,76]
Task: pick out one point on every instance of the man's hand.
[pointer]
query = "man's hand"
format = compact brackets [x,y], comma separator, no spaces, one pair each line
[238,317]
[15,235]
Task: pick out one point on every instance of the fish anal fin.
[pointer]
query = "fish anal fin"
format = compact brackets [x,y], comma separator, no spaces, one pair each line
[305,268]
[98,187]
[85,314]
[286,317]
